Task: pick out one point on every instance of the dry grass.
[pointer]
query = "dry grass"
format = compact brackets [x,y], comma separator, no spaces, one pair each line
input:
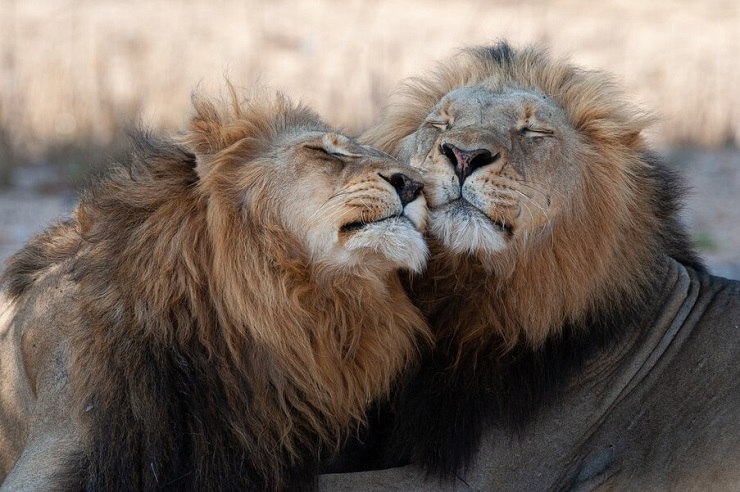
[79,71]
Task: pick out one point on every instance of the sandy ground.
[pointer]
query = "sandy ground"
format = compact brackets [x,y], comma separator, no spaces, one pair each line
[712,208]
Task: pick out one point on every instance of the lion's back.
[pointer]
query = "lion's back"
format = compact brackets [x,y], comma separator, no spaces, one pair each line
[686,429]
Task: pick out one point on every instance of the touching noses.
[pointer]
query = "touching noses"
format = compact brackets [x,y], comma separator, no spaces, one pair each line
[467,161]
[408,189]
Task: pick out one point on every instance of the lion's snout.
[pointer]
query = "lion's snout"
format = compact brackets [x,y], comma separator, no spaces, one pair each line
[467,161]
[408,189]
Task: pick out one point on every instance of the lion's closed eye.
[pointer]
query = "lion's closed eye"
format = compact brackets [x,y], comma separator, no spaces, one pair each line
[338,145]
[534,132]
[439,125]
[330,152]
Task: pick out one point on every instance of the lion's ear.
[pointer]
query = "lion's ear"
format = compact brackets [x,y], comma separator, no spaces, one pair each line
[216,127]
[209,131]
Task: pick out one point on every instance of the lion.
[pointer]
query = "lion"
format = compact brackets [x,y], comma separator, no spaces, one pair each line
[580,342]
[215,316]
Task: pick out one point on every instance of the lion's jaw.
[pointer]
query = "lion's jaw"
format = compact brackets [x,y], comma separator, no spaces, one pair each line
[361,211]
[395,240]
[509,149]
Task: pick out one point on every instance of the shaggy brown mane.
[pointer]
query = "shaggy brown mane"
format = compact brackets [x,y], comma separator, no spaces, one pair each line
[625,216]
[210,355]
[512,326]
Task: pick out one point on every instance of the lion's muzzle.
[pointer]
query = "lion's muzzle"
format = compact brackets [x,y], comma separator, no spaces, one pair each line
[408,189]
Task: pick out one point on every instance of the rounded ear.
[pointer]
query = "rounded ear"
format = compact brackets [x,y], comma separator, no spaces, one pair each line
[231,129]
[213,127]
[216,126]
[204,135]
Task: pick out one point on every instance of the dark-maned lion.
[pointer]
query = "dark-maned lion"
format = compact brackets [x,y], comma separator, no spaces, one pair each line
[216,316]
[580,342]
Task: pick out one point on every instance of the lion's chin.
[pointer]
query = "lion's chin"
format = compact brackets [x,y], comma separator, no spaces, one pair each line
[395,240]
[465,230]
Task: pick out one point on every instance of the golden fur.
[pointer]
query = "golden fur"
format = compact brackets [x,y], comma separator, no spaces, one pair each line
[226,307]
[541,278]
[550,223]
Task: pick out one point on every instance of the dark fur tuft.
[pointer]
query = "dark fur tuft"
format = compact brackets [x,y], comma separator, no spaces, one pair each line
[500,53]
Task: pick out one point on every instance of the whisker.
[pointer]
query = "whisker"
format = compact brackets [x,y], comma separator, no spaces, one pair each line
[537,190]
[337,194]
[541,209]
[531,216]
[331,211]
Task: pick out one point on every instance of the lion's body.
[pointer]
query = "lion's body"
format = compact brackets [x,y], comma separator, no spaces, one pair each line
[552,290]
[656,411]
[212,318]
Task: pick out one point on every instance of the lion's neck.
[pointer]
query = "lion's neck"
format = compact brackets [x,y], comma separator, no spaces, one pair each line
[337,345]
[333,343]
[474,304]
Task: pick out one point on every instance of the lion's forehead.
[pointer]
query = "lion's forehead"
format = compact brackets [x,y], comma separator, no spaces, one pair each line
[479,106]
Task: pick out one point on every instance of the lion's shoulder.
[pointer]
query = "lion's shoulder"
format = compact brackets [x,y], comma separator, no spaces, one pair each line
[46,249]
[36,316]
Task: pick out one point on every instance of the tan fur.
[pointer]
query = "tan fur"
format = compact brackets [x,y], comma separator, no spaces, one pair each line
[587,240]
[221,261]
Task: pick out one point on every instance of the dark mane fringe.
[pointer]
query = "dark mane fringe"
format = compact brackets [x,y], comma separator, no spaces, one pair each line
[443,410]
[155,398]
[666,203]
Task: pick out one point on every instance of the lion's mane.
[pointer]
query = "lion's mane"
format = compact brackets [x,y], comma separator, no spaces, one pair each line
[511,328]
[207,357]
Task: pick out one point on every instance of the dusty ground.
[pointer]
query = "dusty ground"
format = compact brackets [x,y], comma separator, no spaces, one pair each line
[712,211]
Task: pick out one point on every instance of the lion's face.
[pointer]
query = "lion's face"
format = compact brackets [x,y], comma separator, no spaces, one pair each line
[497,166]
[348,204]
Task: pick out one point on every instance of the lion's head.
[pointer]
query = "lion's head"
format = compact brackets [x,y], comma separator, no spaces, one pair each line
[540,188]
[231,301]
[345,206]
[499,167]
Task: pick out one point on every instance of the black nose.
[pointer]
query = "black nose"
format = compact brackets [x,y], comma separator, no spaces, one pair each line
[407,188]
[467,161]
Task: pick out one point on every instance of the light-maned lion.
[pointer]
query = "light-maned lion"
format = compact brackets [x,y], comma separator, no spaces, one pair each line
[580,344]
[217,315]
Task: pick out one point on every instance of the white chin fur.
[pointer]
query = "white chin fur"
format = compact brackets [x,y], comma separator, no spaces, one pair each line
[395,239]
[465,231]
[416,212]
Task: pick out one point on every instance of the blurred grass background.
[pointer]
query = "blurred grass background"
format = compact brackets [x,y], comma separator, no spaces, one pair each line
[75,74]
